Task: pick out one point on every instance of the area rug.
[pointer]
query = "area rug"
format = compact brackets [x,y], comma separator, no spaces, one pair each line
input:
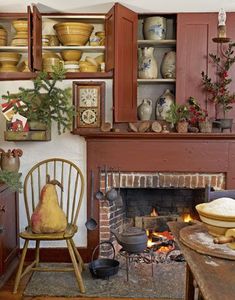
[168,281]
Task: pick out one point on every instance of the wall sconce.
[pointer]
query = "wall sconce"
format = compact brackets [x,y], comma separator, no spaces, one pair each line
[221,29]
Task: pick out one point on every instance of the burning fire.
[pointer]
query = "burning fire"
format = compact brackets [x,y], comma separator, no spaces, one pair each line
[154,213]
[187,217]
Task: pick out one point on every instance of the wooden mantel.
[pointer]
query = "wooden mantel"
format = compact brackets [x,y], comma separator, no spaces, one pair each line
[151,152]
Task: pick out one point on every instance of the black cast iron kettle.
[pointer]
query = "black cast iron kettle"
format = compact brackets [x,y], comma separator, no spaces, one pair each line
[132,240]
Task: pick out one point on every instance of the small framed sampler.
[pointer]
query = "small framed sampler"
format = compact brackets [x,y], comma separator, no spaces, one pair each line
[88,99]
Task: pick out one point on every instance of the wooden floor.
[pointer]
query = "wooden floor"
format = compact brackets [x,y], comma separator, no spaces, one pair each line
[6,293]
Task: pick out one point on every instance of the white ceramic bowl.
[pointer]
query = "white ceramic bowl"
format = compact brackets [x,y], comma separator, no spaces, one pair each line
[216,221]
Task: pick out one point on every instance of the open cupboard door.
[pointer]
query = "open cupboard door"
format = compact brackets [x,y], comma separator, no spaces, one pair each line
[30,38]
[121,56]
[37,39]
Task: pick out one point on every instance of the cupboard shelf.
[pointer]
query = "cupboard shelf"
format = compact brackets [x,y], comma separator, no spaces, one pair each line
[82,48]
[157,80]
[157,43]
[14,48]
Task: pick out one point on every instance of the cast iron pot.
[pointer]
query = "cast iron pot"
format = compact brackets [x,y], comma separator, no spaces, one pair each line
[103,267]
[133,240]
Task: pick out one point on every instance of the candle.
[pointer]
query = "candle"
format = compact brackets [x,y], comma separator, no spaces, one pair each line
[221,25]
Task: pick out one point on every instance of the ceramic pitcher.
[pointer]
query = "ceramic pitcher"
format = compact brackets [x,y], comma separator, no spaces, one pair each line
[147,63]
[145,110]
[163,104]
[168,65]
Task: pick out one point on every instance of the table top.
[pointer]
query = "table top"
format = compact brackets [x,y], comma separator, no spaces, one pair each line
[214,276]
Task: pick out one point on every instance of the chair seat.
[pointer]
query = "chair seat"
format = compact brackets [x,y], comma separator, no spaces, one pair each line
[67,234]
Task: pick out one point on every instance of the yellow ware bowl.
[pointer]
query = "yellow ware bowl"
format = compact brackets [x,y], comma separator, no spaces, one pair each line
[13,57]
[19,42]
[3,42]
[100,58]
[20,25]
[216,223]
[73,33]
[71,55]
[50,54]
[3,32]
[88,68]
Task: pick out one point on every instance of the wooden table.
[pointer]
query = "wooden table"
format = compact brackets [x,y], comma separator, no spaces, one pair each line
[215,277]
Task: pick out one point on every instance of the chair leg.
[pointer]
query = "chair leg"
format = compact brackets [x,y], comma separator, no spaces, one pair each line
[37,252]
[76,268]
[78,256]
[20,268]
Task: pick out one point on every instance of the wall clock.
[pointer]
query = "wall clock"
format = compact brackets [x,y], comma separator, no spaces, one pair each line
[89,102]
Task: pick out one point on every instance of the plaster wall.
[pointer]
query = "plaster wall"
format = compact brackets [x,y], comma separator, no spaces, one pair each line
[68,146]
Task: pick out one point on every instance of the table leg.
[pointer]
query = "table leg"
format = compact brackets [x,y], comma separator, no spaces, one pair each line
[189,293]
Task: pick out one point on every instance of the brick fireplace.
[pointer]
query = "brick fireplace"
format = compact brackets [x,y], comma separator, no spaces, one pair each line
[170,193]
[152,161]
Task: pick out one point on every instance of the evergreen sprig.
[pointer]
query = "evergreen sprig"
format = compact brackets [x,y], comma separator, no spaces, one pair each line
[45,101]
[12,179]
[219,89]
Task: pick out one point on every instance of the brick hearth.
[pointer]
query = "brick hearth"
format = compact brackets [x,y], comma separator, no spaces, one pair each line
[113,216]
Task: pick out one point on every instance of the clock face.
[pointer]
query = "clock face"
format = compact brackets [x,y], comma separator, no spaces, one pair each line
[88,97]
[88,117]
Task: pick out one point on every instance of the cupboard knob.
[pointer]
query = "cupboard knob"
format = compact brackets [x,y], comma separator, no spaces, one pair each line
[2,208]
[1,228]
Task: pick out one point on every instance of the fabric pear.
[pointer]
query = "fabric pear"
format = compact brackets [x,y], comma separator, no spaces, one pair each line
[48,217]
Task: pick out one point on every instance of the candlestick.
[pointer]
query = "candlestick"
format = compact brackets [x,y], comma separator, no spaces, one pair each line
[221,25]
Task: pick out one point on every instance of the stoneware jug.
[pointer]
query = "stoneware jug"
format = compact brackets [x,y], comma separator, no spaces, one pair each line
[163,104]
[145,110]
[168,65]
[147,63]
[9,163]
[155,28]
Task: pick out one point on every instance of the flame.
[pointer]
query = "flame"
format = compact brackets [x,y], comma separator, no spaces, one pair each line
[165,249]
[187,217]
[154,213]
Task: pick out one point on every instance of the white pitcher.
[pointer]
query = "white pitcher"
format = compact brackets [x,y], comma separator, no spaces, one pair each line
[147,63]
[145,109]
[163,104]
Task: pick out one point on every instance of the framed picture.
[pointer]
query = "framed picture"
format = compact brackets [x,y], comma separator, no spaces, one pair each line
[89,103]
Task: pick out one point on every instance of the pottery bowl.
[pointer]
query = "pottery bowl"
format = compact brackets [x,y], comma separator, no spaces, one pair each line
[88,68]
[12,57]
[20,25]
[71,66]
[217,222]
[3,41]
[50,54]
[73,33]
[71,55]
[3,32]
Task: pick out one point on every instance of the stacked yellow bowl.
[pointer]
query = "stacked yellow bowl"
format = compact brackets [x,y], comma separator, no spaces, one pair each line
[9,61]
[3,36]
[89,65]
[21,36]
[71,60]
[218,215]
[73,33]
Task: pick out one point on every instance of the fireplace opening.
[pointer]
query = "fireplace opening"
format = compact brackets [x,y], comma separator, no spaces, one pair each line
[149,201]
[151,209]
